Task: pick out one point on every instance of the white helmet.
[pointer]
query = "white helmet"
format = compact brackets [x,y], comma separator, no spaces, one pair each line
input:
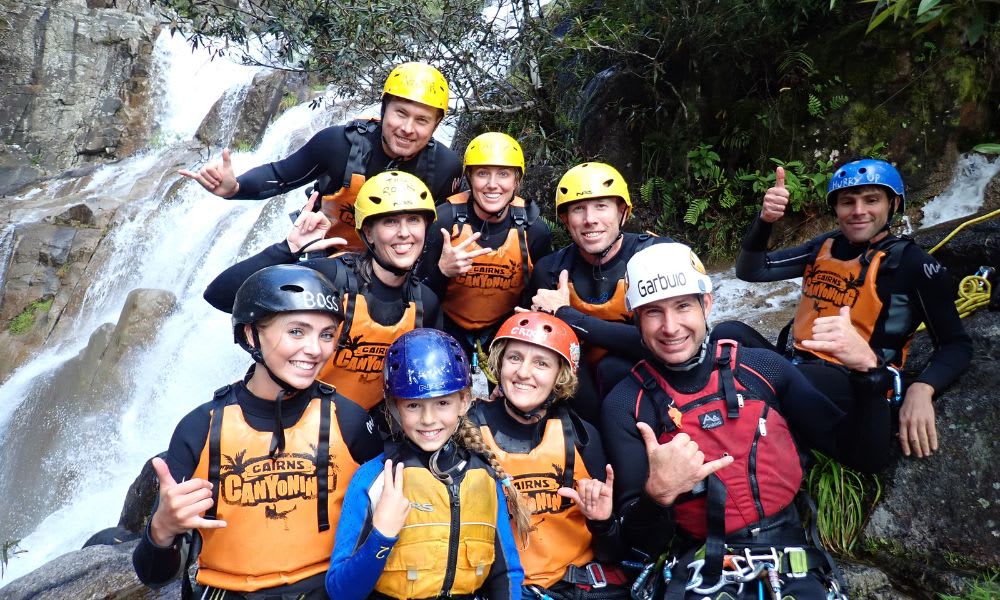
[664,271]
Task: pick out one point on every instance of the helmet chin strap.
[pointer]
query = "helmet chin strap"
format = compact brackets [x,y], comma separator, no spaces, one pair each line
[378,259]
[535,415]
[692,362]
[497,215]
[287,392]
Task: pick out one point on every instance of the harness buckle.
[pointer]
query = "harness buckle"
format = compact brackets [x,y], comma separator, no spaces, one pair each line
[596,573]
[798,562]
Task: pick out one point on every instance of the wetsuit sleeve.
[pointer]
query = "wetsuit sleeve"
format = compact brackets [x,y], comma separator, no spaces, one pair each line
[621,339]
[428,270]
[324,153]
[935,293]
[360,551]
[433,315]
[542,275]
[448,174]
[358,430]
[221,293]
[155,565]
[539,240]
[607,541]
[645,525]
[506,575]
[755,263]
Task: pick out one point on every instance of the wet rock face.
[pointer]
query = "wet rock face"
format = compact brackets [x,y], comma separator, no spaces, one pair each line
[73,85]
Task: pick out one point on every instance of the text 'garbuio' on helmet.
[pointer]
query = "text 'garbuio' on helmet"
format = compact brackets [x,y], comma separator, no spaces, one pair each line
[494,149]
[664,271]
[425,363]
[393,192]
[542,329]
[281,289]
[419,82]
[867,171]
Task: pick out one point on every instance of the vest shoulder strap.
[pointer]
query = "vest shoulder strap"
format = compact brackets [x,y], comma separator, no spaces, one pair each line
[569,444]
[222,397]
[662,402]
[361,147]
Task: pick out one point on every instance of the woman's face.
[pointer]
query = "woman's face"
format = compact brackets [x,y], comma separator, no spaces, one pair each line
[528,374]
[430,422]
[492,188]
[296,345]
[398,239]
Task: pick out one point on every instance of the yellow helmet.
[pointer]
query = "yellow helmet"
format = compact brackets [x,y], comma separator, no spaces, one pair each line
[419,82]
[494,149]
[392,192]
[592,180]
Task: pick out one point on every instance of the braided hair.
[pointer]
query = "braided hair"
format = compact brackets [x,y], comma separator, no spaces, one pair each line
[471,438]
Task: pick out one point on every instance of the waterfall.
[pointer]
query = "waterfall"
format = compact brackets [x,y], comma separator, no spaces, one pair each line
[965,192]
[177,238]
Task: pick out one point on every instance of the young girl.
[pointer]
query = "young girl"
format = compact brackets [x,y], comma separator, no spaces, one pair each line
[555,459]
[427,519]
[383,300]
[259,472]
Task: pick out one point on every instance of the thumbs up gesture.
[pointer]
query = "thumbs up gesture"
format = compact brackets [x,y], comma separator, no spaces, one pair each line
[675,467]
[836,335]
[217,177]
[776,198]
[181,506]
[457,260]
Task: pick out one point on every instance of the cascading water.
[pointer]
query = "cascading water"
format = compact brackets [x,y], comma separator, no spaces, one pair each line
[177,239]
[964,195]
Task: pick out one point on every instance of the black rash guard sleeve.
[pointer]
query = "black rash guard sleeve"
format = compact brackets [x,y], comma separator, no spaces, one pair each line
[934,295]
[326,153]
[755,263]
[221,292]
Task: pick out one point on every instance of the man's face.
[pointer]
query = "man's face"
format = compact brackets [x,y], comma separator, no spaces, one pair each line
[407,127]
[674,328]
[594,224]
[862,212]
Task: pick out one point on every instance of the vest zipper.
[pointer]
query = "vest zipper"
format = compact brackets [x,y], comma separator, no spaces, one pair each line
[453,541]
[752,462]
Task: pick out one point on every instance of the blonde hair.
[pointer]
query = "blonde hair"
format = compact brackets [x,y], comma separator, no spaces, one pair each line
[471,438]
[566,380]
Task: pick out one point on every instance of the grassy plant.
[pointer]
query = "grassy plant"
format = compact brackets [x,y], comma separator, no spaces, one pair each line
[23,322]
[843,498]
[9,550]
[987,588]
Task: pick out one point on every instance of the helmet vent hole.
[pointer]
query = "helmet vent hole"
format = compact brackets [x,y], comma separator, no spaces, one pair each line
[547,328]
[523,323]
[290,287]
[608,183]
[862,170]
[423,195]
[564,190]
[375,199]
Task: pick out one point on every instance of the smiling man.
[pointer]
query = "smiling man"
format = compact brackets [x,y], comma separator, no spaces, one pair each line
[584,283]
[860,283]
[342,157]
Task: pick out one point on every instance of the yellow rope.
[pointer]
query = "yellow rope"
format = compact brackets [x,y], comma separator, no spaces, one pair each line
[962,226]
[973,294]
[484,362]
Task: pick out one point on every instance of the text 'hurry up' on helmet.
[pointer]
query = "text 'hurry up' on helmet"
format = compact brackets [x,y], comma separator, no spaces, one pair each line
[418,82]
[425,363]
[494,149]
[281,289]
[393,192]
[545,330]
[592,180]
[664,271]
[867,171]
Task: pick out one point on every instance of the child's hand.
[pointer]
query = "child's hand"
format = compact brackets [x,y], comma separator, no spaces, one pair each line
[593,496]
[393,506]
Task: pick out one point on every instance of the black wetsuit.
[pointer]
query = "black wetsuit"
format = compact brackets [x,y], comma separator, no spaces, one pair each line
[385,303]
[326,153]
[493,236]
[596,285]
[857,439]
[157,565]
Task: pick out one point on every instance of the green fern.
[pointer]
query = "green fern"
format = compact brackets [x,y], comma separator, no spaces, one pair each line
[815,106]
[838,101]
[697,207]
[653,187]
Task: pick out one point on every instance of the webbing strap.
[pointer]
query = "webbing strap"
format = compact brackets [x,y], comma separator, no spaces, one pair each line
[569,443]
[726,378]
[715,543]
[223,396]
[323,463]
[361,148]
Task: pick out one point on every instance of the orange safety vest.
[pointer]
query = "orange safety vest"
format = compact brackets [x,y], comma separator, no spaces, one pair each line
[559,535]
[494,285]
[338,203]
[828,284]
[355,369]
[278,512]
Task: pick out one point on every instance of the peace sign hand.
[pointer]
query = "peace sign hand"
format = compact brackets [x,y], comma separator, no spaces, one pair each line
[593,496]
[393,507]
[312,227]
[181,506]
[456,260]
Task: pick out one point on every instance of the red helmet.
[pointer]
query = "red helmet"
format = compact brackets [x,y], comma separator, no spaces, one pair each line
[545,330]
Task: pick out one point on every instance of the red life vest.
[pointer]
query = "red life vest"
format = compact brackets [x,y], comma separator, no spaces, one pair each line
[725,417]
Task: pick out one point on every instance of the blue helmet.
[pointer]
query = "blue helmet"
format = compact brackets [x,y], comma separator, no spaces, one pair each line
[425,363]
[867,171]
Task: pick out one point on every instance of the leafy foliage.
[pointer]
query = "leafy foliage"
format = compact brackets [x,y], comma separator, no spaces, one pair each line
[843,498]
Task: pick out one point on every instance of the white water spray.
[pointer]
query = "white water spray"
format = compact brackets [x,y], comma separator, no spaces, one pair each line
[964,195]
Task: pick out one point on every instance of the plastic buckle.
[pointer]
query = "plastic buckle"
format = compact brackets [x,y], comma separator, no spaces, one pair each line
[798,562]
[596,574]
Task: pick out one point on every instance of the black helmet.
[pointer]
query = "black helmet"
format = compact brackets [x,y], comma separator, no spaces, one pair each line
[278,289]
